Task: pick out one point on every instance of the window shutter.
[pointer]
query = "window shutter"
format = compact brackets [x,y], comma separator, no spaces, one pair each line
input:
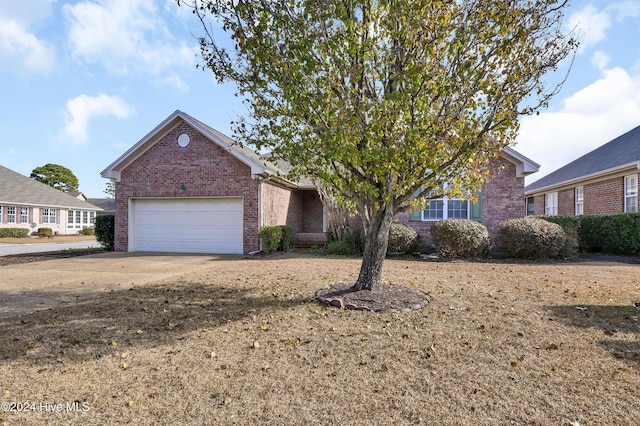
[416,215]
[57,217]
[476,208]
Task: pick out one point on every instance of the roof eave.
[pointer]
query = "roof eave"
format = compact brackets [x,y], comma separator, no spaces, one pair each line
[595,175]
[524,165]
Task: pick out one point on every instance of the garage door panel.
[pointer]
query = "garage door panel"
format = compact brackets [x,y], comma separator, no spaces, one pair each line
[212,225]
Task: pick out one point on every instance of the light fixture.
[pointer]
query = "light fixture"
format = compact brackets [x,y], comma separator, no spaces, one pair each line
[182,188]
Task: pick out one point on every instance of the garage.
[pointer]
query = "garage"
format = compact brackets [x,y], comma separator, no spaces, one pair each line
[179,225]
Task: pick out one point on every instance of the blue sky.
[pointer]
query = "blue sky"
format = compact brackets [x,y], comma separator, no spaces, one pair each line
[82,81]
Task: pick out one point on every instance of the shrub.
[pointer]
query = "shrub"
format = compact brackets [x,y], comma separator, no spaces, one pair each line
[402,238]
[45,233]
[286,241]
[354,239]
[618,233]
[338,247]
[88,230]
[270,237]
[273,238]
[531,238]
[14,232]
[105,231]
[461,238]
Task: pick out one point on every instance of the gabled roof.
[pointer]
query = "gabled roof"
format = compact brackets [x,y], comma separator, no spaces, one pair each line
[524,166]
[20,190]
[106,204]
[259,166]
[621,153]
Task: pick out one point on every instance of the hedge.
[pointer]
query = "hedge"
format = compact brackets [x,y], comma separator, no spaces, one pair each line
[14,232]
[616,234]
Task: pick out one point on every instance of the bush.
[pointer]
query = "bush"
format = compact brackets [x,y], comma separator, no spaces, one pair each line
[354,239]
[338,247]
[88,230]
[286,241]
[531,238]
[45,233]
[402,238]
[617,234]
[461,238]
[274,238]
[105,231]
[14,232]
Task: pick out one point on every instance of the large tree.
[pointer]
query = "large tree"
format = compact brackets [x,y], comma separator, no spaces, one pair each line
[56,176]
[385,102]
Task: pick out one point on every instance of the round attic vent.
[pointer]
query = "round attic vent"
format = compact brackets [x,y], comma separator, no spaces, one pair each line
[183,140]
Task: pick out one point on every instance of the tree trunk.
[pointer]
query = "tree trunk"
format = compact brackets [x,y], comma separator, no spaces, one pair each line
[375,249]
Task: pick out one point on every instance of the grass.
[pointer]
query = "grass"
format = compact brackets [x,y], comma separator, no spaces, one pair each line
[244,342]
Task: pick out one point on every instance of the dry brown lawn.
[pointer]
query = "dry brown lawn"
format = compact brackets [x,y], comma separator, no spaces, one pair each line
[245,342]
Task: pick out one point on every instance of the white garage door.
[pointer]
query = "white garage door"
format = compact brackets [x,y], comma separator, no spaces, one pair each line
[207,225]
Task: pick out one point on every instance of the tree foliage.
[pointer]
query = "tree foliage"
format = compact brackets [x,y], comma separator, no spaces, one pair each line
[56,176]
[386,100]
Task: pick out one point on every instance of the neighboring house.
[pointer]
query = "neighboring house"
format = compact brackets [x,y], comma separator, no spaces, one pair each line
[185,187]
[108,205]
[27,203]
[603,181]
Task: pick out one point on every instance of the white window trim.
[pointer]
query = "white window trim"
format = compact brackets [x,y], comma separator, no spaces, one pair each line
[1,213]
[12,217]
[579,196]
[445,209]
[49,216]
[24,214]
[551,204]
[631,194]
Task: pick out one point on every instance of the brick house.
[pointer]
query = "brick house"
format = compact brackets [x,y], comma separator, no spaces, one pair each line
[186,187]
[603,181]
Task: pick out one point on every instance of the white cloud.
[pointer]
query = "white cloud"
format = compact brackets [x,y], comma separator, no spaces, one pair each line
[22,49]
[82,109]
[125,36]
[589,118]
[600,60]
[591,24]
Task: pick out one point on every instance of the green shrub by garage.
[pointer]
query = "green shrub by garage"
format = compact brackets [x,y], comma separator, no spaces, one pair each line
[14,232]
[402,238]
[105,231]
[276,238]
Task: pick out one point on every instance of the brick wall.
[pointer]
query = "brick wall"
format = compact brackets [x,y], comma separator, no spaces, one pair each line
[602,197]
[202,167]
[605,197]
[502,199]
[567,202]
[300,209]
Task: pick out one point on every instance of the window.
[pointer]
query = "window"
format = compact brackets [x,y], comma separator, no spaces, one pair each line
[446,209]
[11,214]
[0,214]
[631,194]
[24,214]
[531,209]
[551,204]
[92,217]
[579,200]
[85,218]
[48,215]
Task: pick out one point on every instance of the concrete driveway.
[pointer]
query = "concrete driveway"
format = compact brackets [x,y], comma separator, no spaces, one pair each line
[28,287]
